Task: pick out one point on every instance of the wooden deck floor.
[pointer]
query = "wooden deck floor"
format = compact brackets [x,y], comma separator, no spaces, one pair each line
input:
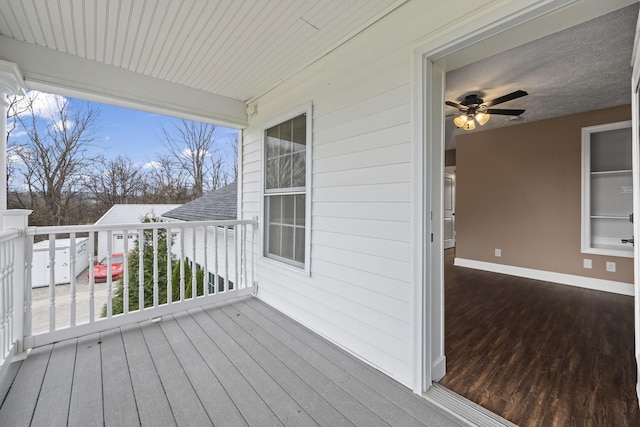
[234,364]
[539,354]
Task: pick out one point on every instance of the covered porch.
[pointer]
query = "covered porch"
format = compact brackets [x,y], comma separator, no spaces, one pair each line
[231,363]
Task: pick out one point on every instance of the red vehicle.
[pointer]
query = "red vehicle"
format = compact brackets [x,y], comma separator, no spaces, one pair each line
[117,268]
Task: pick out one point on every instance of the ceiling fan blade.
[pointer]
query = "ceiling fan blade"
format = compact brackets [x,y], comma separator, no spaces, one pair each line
[507,97]
[456,105]
[505,112]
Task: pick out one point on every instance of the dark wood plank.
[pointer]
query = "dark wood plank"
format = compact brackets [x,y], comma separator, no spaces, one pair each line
[151,400]
[539,353]
[221,409]
[85,408]
[119,402]
[55,396]
[185,403]
[19,405]
[253,409]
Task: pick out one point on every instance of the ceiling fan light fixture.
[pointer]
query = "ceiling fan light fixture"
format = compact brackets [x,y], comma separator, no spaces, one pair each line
[460,120]
[482,118]
[470,124]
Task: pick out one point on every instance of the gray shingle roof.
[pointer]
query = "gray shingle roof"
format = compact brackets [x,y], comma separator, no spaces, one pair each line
[216,205]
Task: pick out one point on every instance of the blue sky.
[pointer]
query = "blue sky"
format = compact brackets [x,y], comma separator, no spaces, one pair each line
[137,134]
[132,133]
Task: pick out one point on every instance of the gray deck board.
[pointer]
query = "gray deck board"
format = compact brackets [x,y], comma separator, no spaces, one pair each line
[219,406]
[184,400]
[85,408]
[237,363]
[119,402]
[285,368]
[19,405]
[55,396]
[151,400]
[250,404]
[281,403]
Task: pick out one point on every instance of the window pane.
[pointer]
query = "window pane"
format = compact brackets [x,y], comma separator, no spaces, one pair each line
[300,244]
[271,173]
[273,143]
[274,240]
[300,209]
[299,133]
[284,174]
[288,209]
[275,209]
[287,242]
[299,171]
[285,138]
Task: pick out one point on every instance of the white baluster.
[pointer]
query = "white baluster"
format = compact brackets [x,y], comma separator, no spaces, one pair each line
[169,267]
[52,282]
[205,260]
[141,239]
[92,261]
[109,273]
[72,277]
[155,267]
[194,264]
[125,274]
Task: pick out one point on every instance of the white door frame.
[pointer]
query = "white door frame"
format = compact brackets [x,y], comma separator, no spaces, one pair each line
[428,81]
[635,129]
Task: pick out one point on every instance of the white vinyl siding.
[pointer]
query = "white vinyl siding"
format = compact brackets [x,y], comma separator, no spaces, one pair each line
[359,293]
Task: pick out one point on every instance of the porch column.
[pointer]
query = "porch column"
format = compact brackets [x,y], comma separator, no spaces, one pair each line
[11,83]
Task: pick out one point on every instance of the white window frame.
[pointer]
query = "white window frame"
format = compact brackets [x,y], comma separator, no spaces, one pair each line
[284,262]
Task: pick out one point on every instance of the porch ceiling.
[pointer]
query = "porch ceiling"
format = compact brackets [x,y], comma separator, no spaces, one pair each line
[234,49]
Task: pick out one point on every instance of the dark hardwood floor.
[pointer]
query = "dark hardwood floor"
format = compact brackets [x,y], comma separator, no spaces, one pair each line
[538,353]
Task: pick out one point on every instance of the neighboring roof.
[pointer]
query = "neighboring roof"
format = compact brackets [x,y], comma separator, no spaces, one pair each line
[130,214]
[216,205]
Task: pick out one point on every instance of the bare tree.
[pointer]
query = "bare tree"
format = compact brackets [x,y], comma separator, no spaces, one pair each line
[165,183]
[116,181]
[56,158]
[189,146]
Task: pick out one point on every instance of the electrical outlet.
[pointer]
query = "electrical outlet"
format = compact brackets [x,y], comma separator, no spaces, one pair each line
[586,263]
[498,253]
[611,266]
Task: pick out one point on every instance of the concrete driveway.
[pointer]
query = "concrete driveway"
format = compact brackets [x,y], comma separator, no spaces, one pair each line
[40,303]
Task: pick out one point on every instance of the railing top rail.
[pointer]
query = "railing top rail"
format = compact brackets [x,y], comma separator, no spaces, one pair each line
[32,231]
[10,234]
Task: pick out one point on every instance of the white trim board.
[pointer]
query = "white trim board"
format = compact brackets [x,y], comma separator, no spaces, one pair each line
[549,276]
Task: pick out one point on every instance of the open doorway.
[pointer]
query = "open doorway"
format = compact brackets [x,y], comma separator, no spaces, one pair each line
[495,250]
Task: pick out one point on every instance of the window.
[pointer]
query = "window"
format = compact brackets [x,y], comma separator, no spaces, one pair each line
[607,198]
[287,148]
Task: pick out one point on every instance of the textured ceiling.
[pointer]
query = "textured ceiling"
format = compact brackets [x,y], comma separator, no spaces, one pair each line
[235,48]
[583,68]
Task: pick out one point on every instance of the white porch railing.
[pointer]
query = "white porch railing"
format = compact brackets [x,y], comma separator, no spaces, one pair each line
[220,256]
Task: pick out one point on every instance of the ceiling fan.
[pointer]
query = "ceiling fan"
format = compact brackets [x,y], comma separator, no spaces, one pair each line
[473,109]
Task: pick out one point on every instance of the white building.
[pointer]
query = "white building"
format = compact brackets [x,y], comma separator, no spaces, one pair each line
[126,214]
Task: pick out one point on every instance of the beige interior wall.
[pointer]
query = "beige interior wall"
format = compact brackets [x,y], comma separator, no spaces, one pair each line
[518,189]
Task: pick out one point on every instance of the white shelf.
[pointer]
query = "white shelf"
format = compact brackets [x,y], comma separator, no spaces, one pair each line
[615,172]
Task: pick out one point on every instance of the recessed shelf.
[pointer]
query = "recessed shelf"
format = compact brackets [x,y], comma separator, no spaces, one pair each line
[607,189]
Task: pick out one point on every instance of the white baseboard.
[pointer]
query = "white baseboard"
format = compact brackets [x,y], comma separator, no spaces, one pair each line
[549,276]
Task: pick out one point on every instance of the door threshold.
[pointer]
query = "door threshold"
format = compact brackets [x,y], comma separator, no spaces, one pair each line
[464,410]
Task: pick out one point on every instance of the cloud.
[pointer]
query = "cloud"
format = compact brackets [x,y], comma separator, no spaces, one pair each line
[43,103]
[187,152]
[151,165]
